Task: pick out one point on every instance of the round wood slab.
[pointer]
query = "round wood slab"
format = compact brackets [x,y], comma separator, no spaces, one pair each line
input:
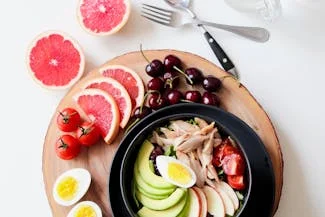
[97,159]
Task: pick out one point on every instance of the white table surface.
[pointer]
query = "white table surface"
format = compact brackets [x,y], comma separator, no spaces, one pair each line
[286,75]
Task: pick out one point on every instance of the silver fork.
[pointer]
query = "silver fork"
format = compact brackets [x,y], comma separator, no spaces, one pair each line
[175,19]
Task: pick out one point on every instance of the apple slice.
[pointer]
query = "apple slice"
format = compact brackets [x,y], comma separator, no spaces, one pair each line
[195,206]
[215,203]
[227,202]
[203,201]
[231,193]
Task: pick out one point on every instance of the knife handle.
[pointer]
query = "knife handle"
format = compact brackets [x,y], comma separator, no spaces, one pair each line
[219,52]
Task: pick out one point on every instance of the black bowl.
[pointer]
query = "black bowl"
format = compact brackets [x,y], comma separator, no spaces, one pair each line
[259,196]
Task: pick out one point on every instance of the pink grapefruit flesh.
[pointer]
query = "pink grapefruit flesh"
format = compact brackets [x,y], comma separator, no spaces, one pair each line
[118,92]
[103,17]
[101,108]
[129,79]
[55,60]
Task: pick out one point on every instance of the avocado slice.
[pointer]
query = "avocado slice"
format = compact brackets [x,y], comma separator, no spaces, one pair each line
[152,196]
[149,190]
[171,212]
[144,168]
[163,204]
[186,209]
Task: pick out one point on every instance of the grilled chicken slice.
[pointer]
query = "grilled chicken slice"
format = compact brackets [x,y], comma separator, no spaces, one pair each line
[183,157]
[191,143]
[170,134]
[181,127]
[202,123]
[169,141]
[200,172]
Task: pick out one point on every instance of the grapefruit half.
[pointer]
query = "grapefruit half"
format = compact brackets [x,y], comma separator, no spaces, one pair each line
[101,108]
[55,60]
[129,79]
[118,92]
[103,17]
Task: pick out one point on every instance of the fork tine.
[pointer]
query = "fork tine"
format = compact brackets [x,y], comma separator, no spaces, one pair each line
[157,8]
[167,19]
[156,11]
[154,20]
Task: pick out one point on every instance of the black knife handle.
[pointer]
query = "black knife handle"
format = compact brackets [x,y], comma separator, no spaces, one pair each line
[219,52]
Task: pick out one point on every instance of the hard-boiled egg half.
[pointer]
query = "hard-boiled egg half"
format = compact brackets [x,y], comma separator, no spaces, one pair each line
[175,171]
[85,209]
[71,186]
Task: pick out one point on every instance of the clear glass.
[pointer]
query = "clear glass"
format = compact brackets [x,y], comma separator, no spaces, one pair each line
[268,9]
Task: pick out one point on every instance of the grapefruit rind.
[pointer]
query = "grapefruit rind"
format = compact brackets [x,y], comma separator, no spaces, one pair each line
[111,32]
[113,131]
[141,92]
[76,46]
[124,94]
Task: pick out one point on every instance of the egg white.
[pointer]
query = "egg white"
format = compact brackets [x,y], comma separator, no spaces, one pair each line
[83,178]
[162,166]
[96,208]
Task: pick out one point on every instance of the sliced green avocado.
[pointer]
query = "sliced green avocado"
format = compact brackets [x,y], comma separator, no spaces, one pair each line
[144,168]
[152,196]
[186,209]
[163,204]
[149,190]
[171,212]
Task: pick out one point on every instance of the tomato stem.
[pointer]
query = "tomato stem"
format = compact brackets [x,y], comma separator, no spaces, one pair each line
[64,146]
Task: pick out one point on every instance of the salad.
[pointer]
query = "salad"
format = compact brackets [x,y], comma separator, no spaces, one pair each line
[189,169]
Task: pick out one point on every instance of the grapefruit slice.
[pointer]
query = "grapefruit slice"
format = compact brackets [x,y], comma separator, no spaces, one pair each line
[103,17]
[118,92]
[129,79]
[55,60]
[101,108]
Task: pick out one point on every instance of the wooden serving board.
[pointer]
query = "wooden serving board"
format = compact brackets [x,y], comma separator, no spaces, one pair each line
[97,159]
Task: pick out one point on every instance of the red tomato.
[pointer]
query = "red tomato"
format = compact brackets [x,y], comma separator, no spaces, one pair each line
[88,134]
[224,149]
[217,156]
[67,147]
[233,164]
[68,120]
[236,182]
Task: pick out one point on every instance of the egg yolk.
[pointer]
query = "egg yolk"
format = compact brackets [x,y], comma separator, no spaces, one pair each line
[67,188]
[85,211]
[178,173]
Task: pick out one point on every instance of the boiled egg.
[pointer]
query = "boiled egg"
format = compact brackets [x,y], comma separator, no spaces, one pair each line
[71,186]
[175,171]
[85,209]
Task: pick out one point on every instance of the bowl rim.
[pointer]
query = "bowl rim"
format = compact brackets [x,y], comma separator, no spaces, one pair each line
[186,115]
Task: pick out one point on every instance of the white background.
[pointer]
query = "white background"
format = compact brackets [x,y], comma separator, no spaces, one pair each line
[286,75]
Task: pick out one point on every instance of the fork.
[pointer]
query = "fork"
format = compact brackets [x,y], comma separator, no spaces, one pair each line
[175,19]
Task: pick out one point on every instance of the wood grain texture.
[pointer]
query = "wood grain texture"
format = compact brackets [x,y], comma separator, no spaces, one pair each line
[97,159]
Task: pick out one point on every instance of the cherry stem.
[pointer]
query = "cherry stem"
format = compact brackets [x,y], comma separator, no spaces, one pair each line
[146,96]
[144,56]
[184,100]
[183,73]
[230,76]
[132,125]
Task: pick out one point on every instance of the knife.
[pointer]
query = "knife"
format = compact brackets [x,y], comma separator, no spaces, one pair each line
[221,55]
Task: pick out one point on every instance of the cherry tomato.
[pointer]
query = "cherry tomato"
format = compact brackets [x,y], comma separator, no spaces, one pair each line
[233,164]
[236,182]
[68,120]
[217,156]
[224,149]
[67,147]
[88,134]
